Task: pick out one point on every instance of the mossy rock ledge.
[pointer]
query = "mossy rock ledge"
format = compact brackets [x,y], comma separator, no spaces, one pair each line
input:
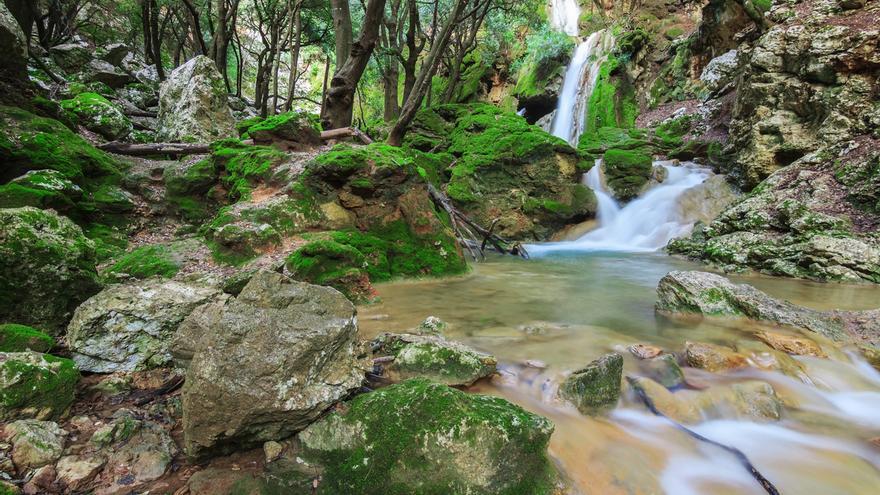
[35,385]
[427,438]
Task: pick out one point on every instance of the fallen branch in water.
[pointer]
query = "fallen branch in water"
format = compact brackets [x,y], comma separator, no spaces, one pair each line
[469,232]
[765,483]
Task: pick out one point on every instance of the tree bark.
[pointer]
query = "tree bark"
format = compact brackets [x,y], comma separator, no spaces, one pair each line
[423,82]
[340,96]
[294,52]
[342,26]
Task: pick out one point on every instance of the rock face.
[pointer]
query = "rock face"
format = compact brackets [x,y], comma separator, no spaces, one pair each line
[47,268]
[129,327]
[596,386]
[14,46]
[434,358]
[713,295]
[266,363]
[423,437]
[193,105]
[34,443]
[34,385]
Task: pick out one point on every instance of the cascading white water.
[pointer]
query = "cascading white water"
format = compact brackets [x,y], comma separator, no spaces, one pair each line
[645,224]
[564,15]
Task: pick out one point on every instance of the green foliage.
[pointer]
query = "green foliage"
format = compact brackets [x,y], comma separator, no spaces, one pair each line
[17,338]
[145,262]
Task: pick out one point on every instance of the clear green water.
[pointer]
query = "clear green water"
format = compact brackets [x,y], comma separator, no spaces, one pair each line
[567,310]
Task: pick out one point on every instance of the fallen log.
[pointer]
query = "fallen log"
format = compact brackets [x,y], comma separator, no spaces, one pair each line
[472,235]
[175,149]
[139,113]
[343,132]
[741,457]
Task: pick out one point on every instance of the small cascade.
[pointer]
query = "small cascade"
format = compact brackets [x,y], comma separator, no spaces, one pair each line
[578,84]
[647,223]
[564,15]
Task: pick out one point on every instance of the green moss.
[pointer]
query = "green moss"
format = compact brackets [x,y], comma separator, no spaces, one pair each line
[242,126]
[286,125]
[245,165]
[401,440]
[145,262]
[613,102]
[548,53]
[17,338]
[109,241]
[326,262]
[98,114]
[626,172]
[31,382]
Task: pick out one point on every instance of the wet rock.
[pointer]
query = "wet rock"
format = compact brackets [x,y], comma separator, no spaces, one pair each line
[596,386]
[129,326]
[751,400]
[704,202]
[35,443]
[464,443]
[664,369]
[266,363]
[34,385]
[711,357]
[791,344]
[193,105]
[665,401]
[431,326]
[645,351]
[713,295]
[47,268]
[75,472]
[433,357]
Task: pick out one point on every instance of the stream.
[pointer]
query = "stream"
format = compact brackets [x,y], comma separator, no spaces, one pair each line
[568,309]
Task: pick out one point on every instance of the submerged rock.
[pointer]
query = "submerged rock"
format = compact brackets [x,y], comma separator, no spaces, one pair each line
[129,327]
[596,386]
[34,443]
[790,344]
[34,385]
[423,437]
[711,357]
[434,358]
[752,400]
[47,268]
[193,105]
[265,364]
[713,295]
[665,369]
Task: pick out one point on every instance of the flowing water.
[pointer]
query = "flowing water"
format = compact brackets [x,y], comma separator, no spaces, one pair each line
[570,308]
[564,15]
[647,223]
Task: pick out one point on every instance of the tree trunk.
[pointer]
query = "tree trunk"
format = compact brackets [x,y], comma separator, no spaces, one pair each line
[342,26]
[294,53]
[392,103]
[340,96]
[156,42]
[423,82]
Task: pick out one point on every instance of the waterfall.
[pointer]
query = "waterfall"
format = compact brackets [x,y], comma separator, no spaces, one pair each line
[578,84]
[647,223]
[564,15]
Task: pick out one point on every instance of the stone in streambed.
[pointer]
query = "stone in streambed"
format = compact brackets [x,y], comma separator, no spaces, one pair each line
[752,400]
[435,358]
[265,364]
[595,387]
[645,351]
[34,443]
[711,357]
[423,437]
[791,344]
[665,369]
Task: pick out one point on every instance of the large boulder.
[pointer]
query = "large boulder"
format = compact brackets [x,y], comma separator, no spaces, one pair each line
[713,295]
[34,385]
[193,105]
[423,437]
[14,46]
[72,57]
[265,364]
[129,327]
[47,268]
[506,167]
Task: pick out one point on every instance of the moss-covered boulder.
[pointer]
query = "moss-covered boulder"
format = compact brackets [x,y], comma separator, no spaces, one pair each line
[503,167]
[188,184]
[291,130]
[432,357]
[596,386]
[98,114]
[34,385]
[193,105]
[47,268]
[41,189]
[424,437]
[327,262]
[626,172]
[18,338]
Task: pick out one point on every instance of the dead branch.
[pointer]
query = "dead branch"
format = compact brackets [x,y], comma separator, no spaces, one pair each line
[468,231]
[175,149]
[764,482]
[346,132]
[169,386]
